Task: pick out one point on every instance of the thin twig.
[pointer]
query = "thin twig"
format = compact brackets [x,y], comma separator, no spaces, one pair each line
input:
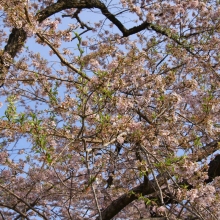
[90,178]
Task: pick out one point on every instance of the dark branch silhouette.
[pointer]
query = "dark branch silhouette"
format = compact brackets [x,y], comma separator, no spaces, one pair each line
[214,169]
[148,188]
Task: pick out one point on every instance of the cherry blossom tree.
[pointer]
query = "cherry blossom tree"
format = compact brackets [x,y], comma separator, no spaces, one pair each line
[117,117]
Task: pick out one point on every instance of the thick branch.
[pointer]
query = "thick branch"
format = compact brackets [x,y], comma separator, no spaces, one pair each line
[208,150]
[146,189]
[214,169]
[18,36]
[15,43]
[117,205]
[66,4]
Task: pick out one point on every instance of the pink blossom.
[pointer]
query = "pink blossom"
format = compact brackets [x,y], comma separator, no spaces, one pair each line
[194,4]
[140,100]
[120,140]
[3,157]
[94,63]
[5,174]
[112,65]
[150,17]
[123,3]
[21,151]
[209,189]
[68,36]
[93,47]
[164,133]
[66,51]
[161,209]
[192,194]
[84,43]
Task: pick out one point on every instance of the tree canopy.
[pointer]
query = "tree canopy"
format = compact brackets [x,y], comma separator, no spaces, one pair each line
[110,109]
